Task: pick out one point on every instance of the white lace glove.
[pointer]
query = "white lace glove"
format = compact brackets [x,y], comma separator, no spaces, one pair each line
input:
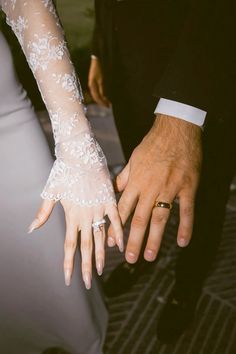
[79,177]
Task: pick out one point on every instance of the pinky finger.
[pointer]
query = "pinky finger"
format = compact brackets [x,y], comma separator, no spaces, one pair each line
[186,221]
[117,229]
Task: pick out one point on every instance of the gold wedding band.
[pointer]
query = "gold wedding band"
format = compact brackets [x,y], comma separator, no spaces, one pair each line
[164,205]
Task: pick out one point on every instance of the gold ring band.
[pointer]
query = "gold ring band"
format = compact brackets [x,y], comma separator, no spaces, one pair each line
[164,205]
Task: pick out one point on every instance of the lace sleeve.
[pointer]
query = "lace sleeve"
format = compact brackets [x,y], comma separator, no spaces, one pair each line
[79,173]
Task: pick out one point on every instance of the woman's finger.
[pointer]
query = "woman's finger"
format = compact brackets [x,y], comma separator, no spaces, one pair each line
[86,254]
[70,246]
[99,240]
[42,215]
[117,229]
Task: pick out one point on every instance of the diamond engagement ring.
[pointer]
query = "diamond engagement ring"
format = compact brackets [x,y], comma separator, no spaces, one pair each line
[98,225]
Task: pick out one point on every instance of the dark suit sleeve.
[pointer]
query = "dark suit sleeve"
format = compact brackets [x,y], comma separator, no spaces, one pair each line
[97,36]
[195,75]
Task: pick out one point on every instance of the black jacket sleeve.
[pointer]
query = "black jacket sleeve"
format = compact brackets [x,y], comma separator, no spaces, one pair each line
[201,69]
[97,36]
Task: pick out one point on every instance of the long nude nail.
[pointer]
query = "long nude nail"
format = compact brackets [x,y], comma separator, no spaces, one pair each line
[67,277]
[87,280]
[121,244]
[33,226]
[100,267]
[111,242]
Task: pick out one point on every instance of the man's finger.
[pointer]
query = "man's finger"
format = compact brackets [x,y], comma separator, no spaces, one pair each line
[122,178]
[157,227]
[70,246]
[127,203]
[186,206]
[139,225]
[42,215]
[126,206]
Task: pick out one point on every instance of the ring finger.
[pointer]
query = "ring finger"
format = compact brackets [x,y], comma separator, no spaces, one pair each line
[160,216]
[86,254]
[99,240]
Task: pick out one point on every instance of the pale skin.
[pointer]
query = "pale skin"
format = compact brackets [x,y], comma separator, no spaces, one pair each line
[165,166]
[79,221]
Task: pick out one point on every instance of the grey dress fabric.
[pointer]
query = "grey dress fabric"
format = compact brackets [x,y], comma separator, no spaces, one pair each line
[36,309]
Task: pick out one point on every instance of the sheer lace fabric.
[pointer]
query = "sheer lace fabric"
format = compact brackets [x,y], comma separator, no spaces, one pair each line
[80,172]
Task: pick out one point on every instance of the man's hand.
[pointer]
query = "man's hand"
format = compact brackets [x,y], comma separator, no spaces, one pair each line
[166,165]
[95,83]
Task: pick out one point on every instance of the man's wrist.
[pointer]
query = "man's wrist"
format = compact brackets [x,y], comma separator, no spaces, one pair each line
[170,124]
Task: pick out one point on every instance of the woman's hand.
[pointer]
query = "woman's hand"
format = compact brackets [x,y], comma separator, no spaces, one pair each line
[81,181]
[79,219]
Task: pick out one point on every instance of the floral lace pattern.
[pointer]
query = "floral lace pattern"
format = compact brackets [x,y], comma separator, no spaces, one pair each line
[51,8]
[63,128]
[63,181]
[19,26]
[80,162]
[43,50]
[71,84]
[80,172]
[83,151]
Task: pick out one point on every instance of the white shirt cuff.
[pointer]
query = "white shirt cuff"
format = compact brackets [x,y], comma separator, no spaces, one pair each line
[182,111]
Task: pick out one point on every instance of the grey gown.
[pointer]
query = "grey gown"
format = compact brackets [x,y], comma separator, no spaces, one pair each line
[37,310]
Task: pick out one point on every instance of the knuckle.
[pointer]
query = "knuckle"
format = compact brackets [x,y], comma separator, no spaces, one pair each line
[68,264]
[70,244]
[86,244]
[159,218]
[138,221]
[41,213]
[188,210]
[86,266]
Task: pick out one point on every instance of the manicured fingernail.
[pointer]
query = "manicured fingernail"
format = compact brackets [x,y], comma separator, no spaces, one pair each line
[87,280]
[131,257]
[149,255]
[182,242]
[67,277]
[121,244]
[100,267]
[33,226]
[111,242]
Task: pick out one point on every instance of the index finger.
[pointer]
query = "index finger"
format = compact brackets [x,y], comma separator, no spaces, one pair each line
[126,205]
